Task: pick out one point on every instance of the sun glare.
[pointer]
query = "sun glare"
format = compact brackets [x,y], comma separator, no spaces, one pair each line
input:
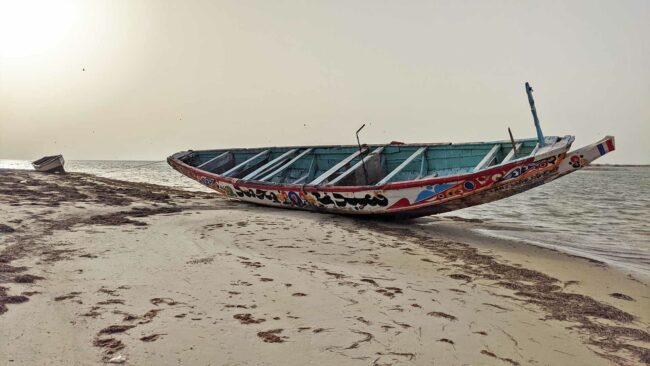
[30,27]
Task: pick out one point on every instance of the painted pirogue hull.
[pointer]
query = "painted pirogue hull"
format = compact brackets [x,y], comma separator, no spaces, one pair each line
[407,199]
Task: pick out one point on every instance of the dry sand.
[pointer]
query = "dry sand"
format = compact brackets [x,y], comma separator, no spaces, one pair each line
[93,269]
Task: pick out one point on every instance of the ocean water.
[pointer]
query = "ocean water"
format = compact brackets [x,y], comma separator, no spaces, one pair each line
[601,212]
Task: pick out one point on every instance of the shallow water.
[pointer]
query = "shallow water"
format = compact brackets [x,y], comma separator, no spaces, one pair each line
[601,213]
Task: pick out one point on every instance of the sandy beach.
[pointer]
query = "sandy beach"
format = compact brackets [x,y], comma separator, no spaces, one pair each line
[95,270]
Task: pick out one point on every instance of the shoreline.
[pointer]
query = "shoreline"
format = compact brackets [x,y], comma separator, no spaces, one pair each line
[490,232]
[151,273]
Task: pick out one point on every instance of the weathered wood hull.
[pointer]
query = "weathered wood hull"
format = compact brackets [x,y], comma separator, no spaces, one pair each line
[412,198]
[50,164]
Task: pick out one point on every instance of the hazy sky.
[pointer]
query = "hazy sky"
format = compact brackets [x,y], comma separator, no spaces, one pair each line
[164,76]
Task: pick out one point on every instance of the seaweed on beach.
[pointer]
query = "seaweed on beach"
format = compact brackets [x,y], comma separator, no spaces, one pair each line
[271,336]
[151,337]
[26,278]
[8,299]
[6,229]
[496,306]
[25,188]
[462,277]
[149,315]
[508,360]
[248,319]
[5,268]
[620,296]
[574,307]
[335,275]
[110,345]
[370,281]
[163,300]
[440,314]
[367,337]
[112,329]
[93,313]
[124,217]
[590,316]
[108,291]
[71,295]
[111,302]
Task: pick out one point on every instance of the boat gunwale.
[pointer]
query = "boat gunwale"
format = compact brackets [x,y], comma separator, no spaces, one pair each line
[412,144]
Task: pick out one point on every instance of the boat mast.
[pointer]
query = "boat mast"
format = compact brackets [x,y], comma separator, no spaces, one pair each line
[540,135]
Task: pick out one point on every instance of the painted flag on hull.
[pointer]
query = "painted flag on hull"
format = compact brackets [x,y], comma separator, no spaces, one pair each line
[605,147]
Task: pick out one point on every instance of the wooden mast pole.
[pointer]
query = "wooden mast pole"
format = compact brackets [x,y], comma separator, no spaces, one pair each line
[540,136]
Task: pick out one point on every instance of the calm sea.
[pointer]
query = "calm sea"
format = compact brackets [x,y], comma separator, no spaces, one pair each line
[601,213]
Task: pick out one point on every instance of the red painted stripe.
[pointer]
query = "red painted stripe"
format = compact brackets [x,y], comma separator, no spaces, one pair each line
[610,145]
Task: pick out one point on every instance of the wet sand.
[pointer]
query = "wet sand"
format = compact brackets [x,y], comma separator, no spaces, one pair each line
[94,270]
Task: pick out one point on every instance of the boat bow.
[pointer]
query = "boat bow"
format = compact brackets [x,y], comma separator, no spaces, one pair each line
[584,156]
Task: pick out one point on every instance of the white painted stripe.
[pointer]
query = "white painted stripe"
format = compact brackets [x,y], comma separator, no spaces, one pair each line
[488,158]
[511,154]
[243,164]
[213,159]
[336,167]
[285,166]
[269,164]
[534,150]
[406,162]
[355,166]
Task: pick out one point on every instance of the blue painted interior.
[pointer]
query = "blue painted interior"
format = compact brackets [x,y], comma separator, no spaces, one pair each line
[437,161]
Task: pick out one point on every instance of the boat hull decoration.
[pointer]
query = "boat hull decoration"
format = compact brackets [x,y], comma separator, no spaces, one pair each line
[395,180]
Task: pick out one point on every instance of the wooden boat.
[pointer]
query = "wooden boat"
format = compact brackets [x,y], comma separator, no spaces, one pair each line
[50,164]
[390,180]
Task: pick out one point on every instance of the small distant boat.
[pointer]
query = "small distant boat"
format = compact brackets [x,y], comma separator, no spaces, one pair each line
[391,180]
[50,164]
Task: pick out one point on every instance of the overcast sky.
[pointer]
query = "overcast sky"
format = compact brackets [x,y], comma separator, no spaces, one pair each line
[165,76]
